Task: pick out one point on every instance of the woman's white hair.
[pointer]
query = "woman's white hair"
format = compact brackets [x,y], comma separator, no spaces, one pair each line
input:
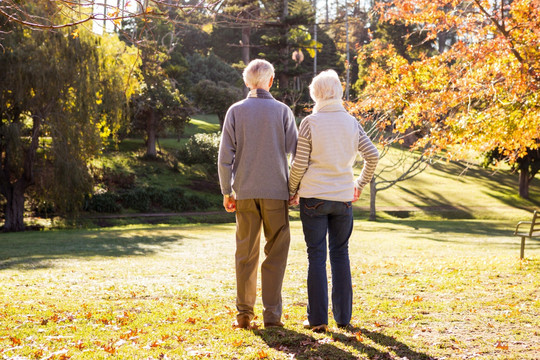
[326,86]
[258,73]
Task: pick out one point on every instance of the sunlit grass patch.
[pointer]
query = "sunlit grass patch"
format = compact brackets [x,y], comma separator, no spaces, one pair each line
[422,290]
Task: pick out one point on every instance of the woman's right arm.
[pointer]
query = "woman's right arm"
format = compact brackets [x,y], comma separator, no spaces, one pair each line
[301,159]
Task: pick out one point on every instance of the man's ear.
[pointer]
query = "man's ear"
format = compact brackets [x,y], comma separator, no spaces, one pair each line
[271,82]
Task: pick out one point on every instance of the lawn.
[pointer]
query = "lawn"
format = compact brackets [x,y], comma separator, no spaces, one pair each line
[424,289]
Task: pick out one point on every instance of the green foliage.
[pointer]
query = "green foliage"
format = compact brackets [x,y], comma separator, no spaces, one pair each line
[212,68]
[201,149]
[146,199]
[103,203]
[67,86]
[216,98]
[158,105]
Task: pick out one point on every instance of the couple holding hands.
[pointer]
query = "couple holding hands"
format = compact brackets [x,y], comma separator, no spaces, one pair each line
[259,133]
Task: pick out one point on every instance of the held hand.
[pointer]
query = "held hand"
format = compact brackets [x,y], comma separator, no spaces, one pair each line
[294,200]
[229,203]
[357,193]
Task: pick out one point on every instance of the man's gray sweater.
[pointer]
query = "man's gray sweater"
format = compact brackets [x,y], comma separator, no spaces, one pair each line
[258,134]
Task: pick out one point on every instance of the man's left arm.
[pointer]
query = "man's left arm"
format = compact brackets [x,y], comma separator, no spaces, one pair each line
[291,133]
[226,155]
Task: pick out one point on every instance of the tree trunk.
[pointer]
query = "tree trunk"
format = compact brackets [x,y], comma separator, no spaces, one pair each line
[151,136]
[221,118]
[524,182]
[14,209]
[246,32]
[372,197]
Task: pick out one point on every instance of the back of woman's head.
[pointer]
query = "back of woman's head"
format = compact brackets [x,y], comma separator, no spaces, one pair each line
[326,86]
[258,73]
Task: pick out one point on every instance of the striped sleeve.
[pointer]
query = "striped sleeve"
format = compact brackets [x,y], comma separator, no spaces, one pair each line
[301,159]
[371,158]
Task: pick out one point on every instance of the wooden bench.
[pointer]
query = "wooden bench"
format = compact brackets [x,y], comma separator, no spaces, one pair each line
[532,230]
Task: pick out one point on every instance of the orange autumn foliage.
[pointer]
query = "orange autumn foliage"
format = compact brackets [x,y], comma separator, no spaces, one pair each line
[481,93]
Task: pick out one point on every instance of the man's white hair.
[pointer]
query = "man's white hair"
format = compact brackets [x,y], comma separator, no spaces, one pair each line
[326,86]
[258,73]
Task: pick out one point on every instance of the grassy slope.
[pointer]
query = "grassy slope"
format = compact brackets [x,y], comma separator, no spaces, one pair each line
[423,289]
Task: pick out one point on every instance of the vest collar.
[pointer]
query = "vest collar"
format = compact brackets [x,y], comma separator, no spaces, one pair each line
[331,105]
[260,93]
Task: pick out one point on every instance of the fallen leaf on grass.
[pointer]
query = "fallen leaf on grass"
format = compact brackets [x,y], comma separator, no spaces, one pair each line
[501,345]
[262,354]
[359,336]
[38,354]
[237,343]
[154,344]
[110,348]
[191,320]
[15,341]
[199,353]
[325,340]
[131,334]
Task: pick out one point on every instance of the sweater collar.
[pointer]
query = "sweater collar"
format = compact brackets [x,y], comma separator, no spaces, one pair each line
[328,106]
[260,93]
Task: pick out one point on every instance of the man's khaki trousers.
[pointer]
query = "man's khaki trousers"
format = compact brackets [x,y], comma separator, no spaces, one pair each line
[273,216]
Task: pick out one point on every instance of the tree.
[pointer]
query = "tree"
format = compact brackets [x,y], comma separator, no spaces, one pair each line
[480,94]
[58,102]
[80,12]
[216,98]
[527,166]
[158,104]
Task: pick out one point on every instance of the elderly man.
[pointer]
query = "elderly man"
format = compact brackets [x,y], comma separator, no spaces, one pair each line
[258,134]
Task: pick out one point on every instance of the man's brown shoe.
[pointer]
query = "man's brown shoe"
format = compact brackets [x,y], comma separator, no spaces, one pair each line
[274,324]
[242,322]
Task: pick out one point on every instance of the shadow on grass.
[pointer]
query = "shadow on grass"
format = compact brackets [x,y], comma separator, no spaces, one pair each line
[501,185]
[41,249]
[301,346]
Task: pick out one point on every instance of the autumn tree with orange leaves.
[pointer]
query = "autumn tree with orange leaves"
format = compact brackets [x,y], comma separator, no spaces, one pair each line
[479,93]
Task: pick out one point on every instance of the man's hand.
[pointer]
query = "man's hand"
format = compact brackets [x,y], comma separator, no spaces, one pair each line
[229,203]
[294,200]
[357,193]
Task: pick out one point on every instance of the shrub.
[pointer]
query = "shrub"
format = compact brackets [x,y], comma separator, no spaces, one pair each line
[201,149]
[103,203]
[173,199]
[146,199]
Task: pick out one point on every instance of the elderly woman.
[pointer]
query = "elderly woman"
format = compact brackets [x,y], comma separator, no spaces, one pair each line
[322,178]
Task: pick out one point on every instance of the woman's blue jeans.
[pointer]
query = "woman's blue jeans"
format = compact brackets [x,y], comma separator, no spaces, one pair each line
[321,217]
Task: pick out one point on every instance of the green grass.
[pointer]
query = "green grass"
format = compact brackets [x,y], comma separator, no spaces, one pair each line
[423,289]
[454,190]
[202,124]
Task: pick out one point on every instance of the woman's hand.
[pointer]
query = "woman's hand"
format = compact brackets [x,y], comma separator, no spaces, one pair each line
[294,200]
[357,193]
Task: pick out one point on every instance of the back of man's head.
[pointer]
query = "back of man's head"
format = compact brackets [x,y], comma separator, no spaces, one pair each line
[258,74]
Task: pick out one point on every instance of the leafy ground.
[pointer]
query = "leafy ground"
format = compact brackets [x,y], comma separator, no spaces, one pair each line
[424,289]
